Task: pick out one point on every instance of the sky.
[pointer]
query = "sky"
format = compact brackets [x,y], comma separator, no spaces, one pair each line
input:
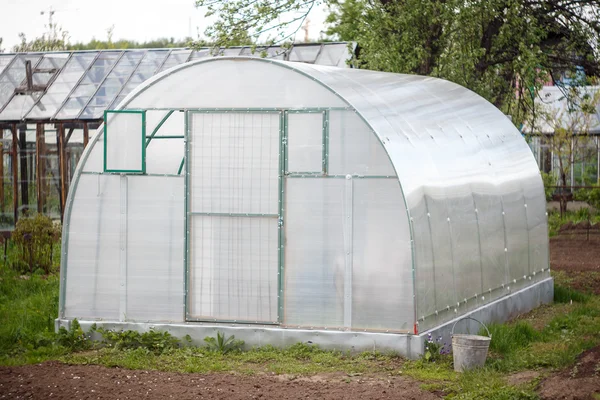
[139,20]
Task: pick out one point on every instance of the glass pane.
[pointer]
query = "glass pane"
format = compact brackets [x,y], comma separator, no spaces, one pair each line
[175,58]
[113,84]
[62,85]
[88,85]
[307,54]
[333,55]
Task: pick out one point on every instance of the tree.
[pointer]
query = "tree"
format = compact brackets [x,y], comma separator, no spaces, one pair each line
[502,49]
[567,130]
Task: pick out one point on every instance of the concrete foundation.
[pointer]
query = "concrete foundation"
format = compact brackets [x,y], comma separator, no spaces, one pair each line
[408,345]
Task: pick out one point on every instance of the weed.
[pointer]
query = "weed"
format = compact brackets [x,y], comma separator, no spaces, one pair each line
[154,341]
[35,238]
[222,345]
[434,349]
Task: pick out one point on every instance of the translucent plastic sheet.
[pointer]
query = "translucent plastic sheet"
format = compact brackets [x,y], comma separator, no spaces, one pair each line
[305,142]
[239,90]
[233,268]
[234,163]
[354,149]
[155,248]
[93,259]
[125,142]
[315,260]
[382,281]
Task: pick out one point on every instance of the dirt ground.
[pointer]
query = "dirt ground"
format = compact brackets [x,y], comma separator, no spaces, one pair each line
[53,380]
[581,381]
[579,258]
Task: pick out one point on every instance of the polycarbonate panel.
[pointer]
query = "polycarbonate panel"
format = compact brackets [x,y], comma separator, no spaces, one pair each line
[169,123]
[63,84]
[465,237]
[48,67]
[125,141]
[441,240]
[315,256]
[155,248]
[234,162]
[425,285]
[93,263]
[89,84]
[492,234]
[305,142]
[382,281]
[354,148]
[307,54]
[233,265]
[517,235]
[111,87]
[95,159]
[256,85]
[164,156]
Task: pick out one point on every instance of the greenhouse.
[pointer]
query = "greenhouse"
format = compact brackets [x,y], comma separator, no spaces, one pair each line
[287,202]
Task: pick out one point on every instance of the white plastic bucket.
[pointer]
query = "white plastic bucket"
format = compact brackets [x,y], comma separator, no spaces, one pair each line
[469,351]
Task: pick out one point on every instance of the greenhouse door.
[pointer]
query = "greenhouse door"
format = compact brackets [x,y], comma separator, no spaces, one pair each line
[233,216]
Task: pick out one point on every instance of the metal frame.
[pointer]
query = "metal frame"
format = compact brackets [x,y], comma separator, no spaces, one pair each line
[143,138]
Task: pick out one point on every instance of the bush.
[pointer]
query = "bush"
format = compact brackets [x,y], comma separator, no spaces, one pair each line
[549,180]
[590,196]
[34,239]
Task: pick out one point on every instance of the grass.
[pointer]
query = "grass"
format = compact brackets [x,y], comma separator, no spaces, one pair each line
[549,338]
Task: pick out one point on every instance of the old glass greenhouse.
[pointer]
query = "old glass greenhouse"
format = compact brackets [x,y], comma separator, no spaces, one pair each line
[285,202]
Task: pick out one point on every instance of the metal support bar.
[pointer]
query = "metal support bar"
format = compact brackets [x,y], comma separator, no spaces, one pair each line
[160,124]
[348,250]
[123,251]
[60,140]
[280,226]
[15,173]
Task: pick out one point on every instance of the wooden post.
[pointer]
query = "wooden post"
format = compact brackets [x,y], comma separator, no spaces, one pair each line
[86,135]
[40,139]
[24,173]
[60,140]
[2,200]
[15,173]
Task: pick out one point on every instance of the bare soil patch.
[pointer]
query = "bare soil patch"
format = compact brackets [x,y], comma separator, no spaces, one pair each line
[582,381]
[56,380]
[579,258]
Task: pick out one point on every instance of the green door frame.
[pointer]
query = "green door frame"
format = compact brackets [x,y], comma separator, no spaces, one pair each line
[279,216]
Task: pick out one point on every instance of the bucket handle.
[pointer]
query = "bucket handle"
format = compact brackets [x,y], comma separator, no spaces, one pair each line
[480,323]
